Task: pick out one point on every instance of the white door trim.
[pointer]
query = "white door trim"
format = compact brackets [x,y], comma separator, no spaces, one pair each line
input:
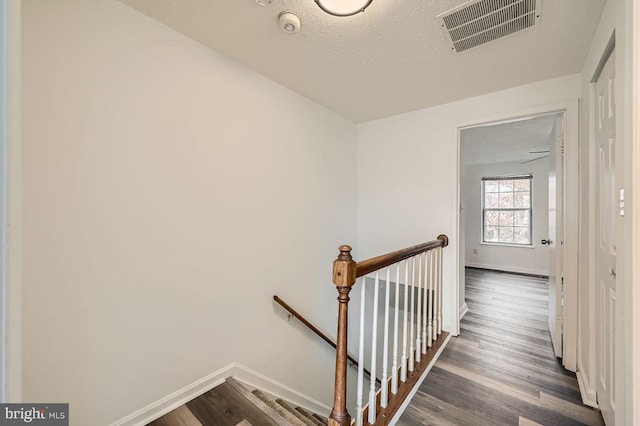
[634,405]
[608,294]
[10,195]
[571,109]
[3,192]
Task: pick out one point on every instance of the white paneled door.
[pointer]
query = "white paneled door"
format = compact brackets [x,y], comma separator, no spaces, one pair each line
[607,214]
[555,236]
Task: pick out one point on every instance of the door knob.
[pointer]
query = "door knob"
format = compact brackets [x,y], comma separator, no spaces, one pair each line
[546,241]
[612,272]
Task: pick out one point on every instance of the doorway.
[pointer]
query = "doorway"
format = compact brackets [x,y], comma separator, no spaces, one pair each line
[496,160]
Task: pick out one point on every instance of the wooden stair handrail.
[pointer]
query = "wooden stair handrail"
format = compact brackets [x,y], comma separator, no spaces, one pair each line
[365,267]
[345,273]
[316,330]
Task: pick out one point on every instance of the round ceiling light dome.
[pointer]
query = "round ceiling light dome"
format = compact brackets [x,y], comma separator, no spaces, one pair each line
[343,7]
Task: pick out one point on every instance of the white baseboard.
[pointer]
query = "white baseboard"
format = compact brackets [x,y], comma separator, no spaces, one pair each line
[407,400]
[182,396]
[508,268]
[244,374]
[587,393]
[463,310]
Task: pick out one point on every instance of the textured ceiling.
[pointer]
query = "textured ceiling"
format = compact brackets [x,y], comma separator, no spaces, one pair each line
[506,142]
[391,59]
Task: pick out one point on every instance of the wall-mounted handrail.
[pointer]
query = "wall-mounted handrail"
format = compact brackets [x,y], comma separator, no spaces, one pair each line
[316,330]
[303,320]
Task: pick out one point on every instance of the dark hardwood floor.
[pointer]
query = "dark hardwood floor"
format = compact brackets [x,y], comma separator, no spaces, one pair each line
[221,406]
[233,404]
[501,370]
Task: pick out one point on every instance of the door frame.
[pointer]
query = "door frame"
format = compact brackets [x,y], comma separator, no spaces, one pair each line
[596,314]
[571,110]
[634,406]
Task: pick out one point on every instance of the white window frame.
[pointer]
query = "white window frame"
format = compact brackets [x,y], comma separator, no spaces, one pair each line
[483,181]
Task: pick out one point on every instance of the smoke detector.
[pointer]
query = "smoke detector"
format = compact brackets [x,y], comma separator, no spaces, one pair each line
[478,22]
[289,22]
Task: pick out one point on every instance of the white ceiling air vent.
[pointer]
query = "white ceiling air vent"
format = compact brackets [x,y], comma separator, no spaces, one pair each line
[480,21]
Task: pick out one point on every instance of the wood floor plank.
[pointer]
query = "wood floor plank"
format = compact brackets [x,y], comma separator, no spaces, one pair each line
[224,406]
[501,370]
[526,422]
[500,408]
[511,371]
[579,412]
[429,410]
[525,394]
[181,416]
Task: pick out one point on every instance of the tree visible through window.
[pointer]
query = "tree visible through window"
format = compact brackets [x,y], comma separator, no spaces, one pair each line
[506,210]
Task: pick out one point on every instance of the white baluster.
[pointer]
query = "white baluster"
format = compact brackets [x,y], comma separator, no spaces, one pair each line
[360,383]
[430,330]
[419,316]
[440,290]
[394,367]
[436,294]
[384,397]
[403,360]
[374,352]
[424,305]
[411,338]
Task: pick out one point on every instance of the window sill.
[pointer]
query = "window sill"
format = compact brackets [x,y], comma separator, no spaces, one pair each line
[523,246]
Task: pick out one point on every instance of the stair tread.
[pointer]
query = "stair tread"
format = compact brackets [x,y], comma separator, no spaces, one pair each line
[278,408]
[224,405]
[306,421]
[264,407]
[309,415]
[322,419]
[232,404]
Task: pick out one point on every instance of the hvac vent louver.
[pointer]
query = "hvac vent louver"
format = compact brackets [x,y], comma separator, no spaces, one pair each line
[481,21]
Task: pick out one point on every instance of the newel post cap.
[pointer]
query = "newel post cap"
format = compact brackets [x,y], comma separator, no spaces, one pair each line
[344,268]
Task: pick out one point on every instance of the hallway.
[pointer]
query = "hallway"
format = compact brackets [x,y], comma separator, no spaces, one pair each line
[501,370]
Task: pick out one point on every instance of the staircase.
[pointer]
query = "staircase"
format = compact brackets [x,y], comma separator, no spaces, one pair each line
[233,404]
[412,337]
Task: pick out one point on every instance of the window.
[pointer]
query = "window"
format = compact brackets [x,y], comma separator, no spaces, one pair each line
[506,210]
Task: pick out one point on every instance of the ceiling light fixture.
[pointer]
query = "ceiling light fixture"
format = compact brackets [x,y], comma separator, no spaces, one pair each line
[343,7]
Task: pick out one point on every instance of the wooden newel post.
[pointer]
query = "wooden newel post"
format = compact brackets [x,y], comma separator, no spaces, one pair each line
[344,277]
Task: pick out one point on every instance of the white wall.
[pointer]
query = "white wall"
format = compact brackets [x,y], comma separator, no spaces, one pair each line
[168,194]
[530,260]
[616,18]
[408,168]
